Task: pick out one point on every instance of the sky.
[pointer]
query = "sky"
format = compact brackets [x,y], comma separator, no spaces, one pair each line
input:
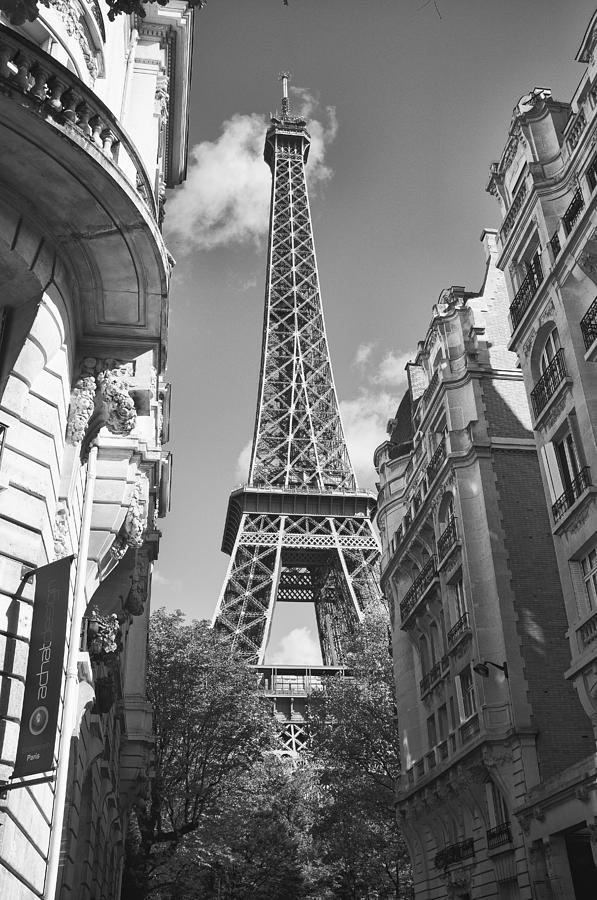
[407,106]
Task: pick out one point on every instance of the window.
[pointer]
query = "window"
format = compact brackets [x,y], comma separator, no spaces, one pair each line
[466,690]
[552,345]
[561,463]
[442,721]
[424,654]
[498,811]
[431,732]
[589,573]
[458,599]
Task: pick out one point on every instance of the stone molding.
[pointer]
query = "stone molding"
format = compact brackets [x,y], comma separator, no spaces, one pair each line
[101,397]
[134,526]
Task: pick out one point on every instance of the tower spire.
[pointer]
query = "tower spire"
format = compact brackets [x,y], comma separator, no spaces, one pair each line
[284,77]
[300,530]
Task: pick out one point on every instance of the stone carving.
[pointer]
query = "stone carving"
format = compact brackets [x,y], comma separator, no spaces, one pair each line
[82,404]
[555,414]
[135,601]
[162,97]
[111,378]
[72,14]
[547,313]
[61,536]
[120,408]
[577,521]
[526,347]
[135,522]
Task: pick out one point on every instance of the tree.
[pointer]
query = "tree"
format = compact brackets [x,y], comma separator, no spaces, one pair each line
[210,726]
[356,746]
[20,11]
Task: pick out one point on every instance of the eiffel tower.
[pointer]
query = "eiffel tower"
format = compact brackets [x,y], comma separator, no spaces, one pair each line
[300,530]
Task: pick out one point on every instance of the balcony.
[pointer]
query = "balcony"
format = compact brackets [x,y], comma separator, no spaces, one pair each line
[469,729]
[555,244]
[510,219]
[587,632]
[588,325]
[498,836]
[66,157]
[548,383]
[591,174]
[572,214]
[454,853]
[525,294]
[419,586]
[435,463]
[429,391]
[572,493]
[461,627]
[447,538]
[434,674]
[576,129]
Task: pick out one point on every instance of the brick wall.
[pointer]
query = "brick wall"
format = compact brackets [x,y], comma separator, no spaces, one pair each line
[540,613]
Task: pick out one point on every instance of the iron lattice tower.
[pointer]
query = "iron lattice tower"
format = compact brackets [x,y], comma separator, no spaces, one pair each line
[300,530]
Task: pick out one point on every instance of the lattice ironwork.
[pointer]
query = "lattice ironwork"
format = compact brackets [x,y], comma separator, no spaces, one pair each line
[298,445]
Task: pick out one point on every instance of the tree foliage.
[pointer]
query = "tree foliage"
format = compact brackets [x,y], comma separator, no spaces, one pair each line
[356,747]
[210,726]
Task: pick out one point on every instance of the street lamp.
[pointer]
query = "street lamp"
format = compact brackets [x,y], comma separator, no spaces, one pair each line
[482,668]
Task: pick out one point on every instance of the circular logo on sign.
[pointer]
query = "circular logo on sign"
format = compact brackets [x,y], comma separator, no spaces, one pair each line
[38,720]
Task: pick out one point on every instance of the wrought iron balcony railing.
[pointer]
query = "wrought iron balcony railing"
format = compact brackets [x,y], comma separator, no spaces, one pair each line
[433,675]
[549,381]
[588,325]
[429,390]
[447,538]
[554,243]
[418,588]
[470,728]
[592,174]
[572,493]
[435,463]
[510,219]
[498,836]
[525,293]
[454,853]
[461,627]
[58,95]
[572,214]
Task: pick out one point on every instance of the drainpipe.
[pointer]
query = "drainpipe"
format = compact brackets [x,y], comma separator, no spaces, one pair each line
[71,689]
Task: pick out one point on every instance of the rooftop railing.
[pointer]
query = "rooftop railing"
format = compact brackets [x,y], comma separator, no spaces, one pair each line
[549,381]
[572,493]
[588,325]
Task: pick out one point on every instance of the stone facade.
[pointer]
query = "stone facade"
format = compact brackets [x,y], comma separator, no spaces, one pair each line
[471,576]
[545,183]
[93,125]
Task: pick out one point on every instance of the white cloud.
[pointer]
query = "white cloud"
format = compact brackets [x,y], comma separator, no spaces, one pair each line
[363,355]
[297,648]
[225,199]
[365,417]
[243,462]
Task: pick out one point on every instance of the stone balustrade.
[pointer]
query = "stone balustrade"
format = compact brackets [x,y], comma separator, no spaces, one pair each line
[30,76]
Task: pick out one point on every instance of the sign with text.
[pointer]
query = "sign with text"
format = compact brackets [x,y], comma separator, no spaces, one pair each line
[41,703]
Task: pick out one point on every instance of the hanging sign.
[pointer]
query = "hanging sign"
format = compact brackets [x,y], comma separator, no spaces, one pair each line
[39,719]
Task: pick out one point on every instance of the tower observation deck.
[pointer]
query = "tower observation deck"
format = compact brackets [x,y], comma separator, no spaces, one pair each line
[300,530]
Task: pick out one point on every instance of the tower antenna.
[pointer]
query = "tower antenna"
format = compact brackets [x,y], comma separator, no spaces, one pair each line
[284,77]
